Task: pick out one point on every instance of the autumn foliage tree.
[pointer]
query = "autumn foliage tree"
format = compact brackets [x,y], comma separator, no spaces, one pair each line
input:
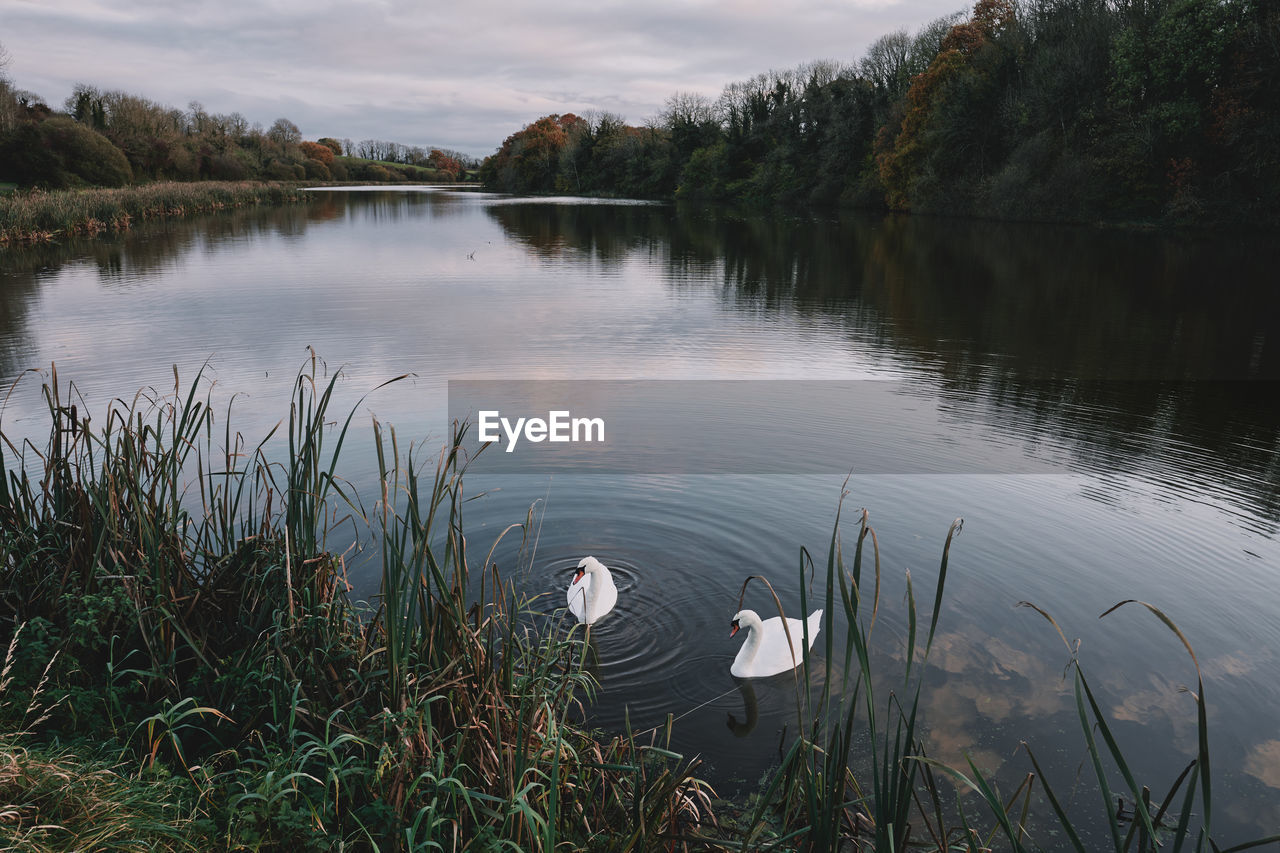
[332,144]
[1068,110]
[442,162]
[316,151]
[939,119]
[109,137]
[529,159]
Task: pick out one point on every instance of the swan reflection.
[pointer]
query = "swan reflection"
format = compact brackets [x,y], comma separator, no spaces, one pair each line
[750,708]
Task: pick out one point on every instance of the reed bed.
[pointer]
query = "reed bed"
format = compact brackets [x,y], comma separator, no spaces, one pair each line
[46,215]
[816,802]
[171,586]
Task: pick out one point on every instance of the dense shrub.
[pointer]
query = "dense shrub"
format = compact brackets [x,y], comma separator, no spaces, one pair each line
[60,152]
[230,166]
[26,160]
[316,170]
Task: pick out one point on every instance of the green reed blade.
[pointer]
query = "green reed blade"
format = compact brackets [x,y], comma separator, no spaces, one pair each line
[1184,816]
[1063,820]
[1202,723]
[1113,747]
[1101,775]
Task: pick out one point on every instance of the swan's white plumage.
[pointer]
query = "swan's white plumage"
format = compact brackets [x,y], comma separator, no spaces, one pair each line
[766,651]
[593,594]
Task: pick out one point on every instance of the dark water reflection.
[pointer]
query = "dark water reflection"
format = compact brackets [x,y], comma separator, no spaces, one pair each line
[1139,351]
[1144,366]
[1055,302]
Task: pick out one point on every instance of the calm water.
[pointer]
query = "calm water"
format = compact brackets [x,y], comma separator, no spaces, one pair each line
[1135,374]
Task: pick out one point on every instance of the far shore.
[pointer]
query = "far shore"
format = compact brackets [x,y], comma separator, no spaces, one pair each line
[45,216]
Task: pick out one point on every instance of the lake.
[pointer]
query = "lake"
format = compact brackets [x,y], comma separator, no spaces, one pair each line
[1099,406]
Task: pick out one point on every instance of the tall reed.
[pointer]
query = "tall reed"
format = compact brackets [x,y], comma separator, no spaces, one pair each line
[823,804]
[816,801]
[200,624]
[45,215]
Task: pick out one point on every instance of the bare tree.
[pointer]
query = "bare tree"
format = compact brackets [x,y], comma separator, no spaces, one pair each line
[237,125]
[8,100]
[928,41]
[688,108]
[284,133]
[820,72]
[886,60]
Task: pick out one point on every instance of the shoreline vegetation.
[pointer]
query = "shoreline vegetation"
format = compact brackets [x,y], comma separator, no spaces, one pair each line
[185,671]
[113,139]
[43,216]
[1157,112]
[110,158]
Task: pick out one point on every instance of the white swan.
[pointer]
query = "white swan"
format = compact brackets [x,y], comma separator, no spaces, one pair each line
[592,593]
[766,652]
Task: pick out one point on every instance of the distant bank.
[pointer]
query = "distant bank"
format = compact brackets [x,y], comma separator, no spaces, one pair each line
[1123,111]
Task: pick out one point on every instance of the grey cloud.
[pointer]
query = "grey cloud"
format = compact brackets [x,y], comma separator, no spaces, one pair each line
[461,76]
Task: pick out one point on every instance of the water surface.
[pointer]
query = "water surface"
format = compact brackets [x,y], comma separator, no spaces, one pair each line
[1138,371]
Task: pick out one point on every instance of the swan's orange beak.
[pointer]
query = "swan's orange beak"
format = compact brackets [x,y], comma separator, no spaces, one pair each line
[578,575]
[736,626]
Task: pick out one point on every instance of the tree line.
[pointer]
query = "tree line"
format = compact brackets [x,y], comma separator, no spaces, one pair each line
[113,138]
[1070,110]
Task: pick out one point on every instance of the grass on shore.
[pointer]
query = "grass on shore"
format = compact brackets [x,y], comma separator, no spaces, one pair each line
[172,602]
[46,215]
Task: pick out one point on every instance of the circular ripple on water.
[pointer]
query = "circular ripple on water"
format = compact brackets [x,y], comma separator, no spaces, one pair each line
[654,646]
[550,581]
[663,650]
[648,654]
[678,557]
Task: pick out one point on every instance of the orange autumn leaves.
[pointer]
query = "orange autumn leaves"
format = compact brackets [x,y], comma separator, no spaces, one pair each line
[900,158]
[529,159]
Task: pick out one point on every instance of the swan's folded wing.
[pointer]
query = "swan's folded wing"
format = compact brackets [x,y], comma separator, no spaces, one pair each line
[815,625]
[775,655]
[608,598]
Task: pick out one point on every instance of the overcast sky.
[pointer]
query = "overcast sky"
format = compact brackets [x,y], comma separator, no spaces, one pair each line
[461,75]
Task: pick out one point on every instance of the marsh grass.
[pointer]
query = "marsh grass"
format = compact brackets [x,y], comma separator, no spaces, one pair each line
[53,797]
[46,215]
[172,585]
[816,801]
[58,798]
